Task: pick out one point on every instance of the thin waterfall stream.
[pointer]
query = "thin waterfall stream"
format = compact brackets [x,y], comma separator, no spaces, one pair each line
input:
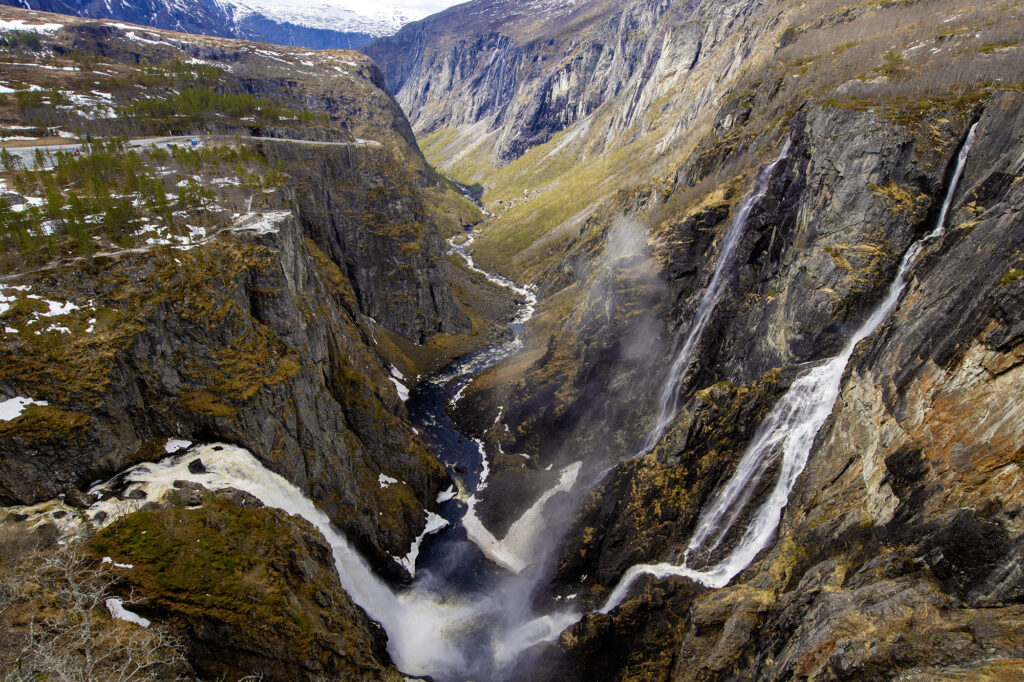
[788,433]
[668,403]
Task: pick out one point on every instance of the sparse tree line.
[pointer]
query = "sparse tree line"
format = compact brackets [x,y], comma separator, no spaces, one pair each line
[109,193]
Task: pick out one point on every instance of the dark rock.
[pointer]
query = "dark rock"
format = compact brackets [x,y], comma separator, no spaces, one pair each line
[196,467]
[76,498]
[188,493]
[240,498]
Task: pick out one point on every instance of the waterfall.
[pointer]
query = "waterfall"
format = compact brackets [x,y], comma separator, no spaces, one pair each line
[787,432]
[668,403]
[422,629]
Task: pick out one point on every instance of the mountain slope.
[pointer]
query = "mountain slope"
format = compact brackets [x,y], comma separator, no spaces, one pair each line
[316,238]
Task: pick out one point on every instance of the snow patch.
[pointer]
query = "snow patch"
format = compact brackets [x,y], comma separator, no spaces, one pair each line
[403,392]
[174,444]
[515,551]
[118,611]
[434,524]
[12,408]
[23,25]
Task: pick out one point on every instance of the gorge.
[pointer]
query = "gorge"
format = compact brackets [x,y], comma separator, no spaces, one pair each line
[604,340]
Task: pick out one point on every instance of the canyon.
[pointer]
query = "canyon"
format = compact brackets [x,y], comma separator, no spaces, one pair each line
[557,340]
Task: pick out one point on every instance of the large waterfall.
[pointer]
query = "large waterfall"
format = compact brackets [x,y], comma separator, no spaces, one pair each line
[668,403]
[788,433]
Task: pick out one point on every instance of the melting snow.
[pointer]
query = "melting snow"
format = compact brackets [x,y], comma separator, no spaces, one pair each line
[22,25]
[515,551]
[434,524]
[484,469]
[118,611]
[385,480]
[12,408]
[403,392]
[174,444]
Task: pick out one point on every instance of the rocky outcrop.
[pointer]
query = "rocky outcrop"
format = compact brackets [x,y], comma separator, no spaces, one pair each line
[268,353]
[359,208]
[251,592]
[271,334]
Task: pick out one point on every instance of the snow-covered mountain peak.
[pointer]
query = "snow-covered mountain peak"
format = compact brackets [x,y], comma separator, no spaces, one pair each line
[356,16]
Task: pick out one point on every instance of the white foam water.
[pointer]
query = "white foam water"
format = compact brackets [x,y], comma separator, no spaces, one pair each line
[422,628]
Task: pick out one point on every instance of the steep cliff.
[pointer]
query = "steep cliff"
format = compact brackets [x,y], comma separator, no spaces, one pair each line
[905,517]
[274,325]
[917,460]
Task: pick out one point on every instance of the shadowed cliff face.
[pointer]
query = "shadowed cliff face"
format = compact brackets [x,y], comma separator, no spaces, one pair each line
[266,334]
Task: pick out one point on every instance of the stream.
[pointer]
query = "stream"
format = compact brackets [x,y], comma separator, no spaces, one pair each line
[468,612]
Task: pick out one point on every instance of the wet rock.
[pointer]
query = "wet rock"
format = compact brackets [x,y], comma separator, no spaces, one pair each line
[240,498]
[188,493]
[196,466]
[76,498]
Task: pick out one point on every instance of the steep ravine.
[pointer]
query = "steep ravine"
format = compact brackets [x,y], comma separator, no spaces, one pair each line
[848,271]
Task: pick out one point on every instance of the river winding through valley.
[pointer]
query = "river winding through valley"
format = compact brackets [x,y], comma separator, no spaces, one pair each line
[468,612]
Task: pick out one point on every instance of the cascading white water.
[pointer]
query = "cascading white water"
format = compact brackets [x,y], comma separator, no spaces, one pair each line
[668,402]
[422,629]
[788,432]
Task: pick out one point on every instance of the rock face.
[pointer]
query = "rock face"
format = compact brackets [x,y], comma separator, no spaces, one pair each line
[262,336]
[525,73]
[909,502]
[250,591]
[359,208]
